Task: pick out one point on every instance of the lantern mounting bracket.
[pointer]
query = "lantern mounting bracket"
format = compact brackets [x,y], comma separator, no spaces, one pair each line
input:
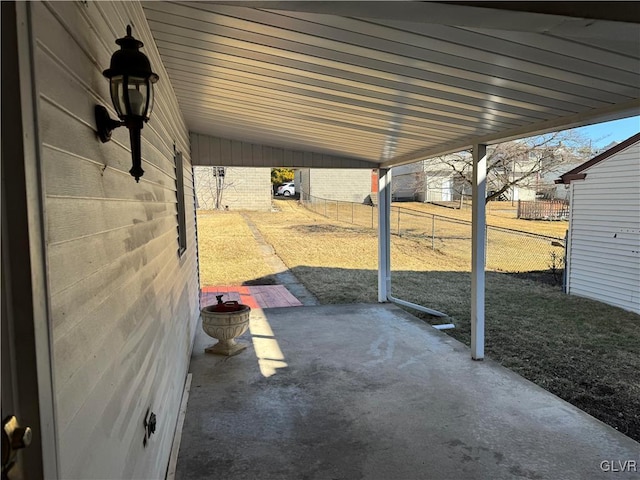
[105,124]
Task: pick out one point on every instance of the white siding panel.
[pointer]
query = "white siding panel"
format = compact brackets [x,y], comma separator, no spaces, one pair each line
[618,219]
[627,235]
[615,203]
[93,254]
[78,345]
[623,284]
[71,175]
[607,204]
[124,305]
[623,191]
[610,245]
[610,295]
[604,257]
[69,218]
[603,264]
[67,133]
[618,170]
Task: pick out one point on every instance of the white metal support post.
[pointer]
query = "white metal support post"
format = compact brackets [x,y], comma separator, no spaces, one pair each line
[478,234]
[384,234]
[384,249]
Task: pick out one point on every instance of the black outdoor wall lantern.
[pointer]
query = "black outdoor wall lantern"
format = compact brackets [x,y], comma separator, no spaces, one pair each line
[131,84]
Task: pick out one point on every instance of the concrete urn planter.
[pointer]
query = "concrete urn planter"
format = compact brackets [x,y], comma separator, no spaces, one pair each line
[225,321]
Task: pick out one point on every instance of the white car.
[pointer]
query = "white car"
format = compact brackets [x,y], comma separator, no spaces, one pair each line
[287,189]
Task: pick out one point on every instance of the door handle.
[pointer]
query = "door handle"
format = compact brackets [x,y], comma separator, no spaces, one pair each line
[14,438]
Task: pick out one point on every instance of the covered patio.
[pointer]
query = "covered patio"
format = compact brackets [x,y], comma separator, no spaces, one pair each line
[371,392]
[101,298]
[379,84]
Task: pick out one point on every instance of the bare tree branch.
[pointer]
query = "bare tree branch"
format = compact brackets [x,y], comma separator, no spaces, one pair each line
[211,183]
[521,163]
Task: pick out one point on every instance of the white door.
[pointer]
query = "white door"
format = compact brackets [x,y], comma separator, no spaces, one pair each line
[27,384]
[446,190]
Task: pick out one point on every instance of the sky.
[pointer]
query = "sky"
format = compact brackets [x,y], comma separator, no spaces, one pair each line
[603,134]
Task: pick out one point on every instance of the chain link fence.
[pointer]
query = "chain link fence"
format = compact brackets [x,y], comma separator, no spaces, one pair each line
[510,251]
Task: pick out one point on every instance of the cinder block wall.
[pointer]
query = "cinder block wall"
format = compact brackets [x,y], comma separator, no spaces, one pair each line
[347,185]
[302,182]
[244,188]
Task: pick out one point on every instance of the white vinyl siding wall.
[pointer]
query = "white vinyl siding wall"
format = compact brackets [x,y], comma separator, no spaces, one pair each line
[604,255]
[124,304]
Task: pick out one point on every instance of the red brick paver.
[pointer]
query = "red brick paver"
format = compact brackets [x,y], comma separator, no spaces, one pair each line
[256,296]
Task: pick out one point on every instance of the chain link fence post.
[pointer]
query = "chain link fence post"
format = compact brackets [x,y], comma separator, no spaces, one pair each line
[564,262]
[433,232]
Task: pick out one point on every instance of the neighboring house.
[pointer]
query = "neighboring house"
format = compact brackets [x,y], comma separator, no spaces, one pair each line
[346,185]
[404,180]
[439,180]
[242,188]
[603,252]
[549,190]
[556,191]
[426,181]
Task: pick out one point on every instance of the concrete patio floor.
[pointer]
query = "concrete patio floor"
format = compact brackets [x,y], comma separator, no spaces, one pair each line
[371,392]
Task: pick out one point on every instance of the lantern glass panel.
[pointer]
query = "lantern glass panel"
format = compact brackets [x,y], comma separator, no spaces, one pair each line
[151,99]
[129,96]
[138,91]
[117,95]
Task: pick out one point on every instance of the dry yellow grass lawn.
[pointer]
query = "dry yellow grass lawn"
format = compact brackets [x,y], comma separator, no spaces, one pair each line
[228,253]
[303,238]
[327,255]
[506,251]
[499,214]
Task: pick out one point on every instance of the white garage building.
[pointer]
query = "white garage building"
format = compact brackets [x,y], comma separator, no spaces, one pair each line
[603,252]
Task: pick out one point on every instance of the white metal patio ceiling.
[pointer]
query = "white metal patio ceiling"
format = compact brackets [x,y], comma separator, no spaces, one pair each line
[393,82]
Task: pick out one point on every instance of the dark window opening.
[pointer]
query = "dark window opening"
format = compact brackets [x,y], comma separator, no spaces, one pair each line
[182,222]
